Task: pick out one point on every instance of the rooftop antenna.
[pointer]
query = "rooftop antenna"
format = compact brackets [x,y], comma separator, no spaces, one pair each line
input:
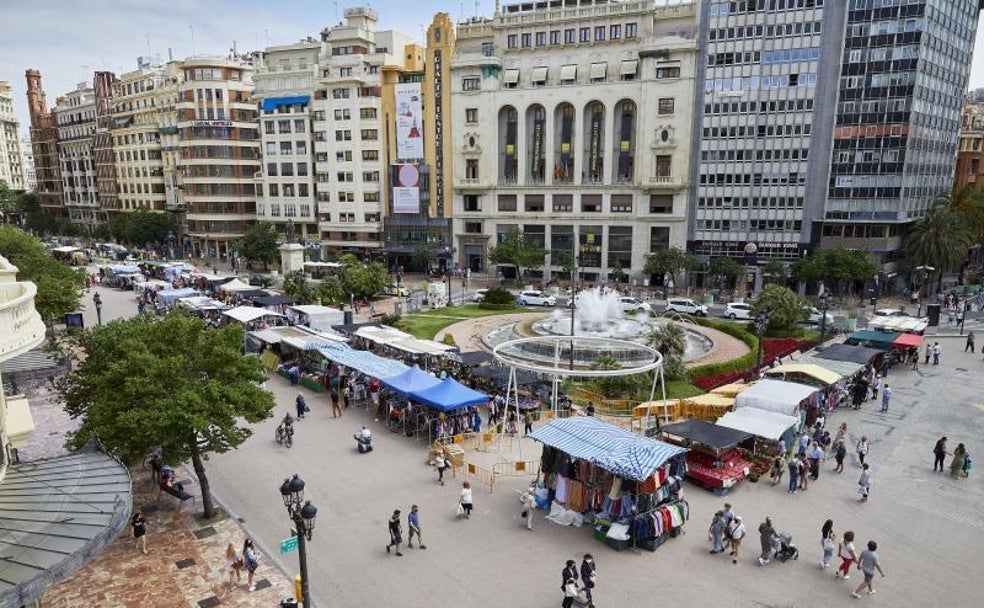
[477,8]
[83,69]
[147,40]
[336,10]
[192,28]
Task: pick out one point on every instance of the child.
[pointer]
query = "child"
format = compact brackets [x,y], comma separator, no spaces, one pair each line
[829,544]
[839,455]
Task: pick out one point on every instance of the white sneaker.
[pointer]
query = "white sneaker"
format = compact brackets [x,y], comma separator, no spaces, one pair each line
[761,562]
[870,591]
[847,577]
[855,595]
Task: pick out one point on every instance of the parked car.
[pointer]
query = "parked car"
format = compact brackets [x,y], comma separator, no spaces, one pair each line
[628,304]
[479,295]
[889,312]
[686,306]
[813,316]
[398,290]
[536,298]
[738,310]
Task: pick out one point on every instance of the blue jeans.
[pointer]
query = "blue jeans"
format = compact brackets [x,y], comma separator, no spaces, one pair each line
[793,481]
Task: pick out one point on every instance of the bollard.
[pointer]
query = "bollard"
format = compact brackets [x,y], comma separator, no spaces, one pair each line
[298,592]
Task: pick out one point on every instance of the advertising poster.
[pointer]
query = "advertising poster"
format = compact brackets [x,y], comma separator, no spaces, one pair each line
[406,190]
[409,122]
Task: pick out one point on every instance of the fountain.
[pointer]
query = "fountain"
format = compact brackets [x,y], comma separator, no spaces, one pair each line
[598,314]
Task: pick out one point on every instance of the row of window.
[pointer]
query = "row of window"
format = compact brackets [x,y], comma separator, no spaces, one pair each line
[345,156]
[753,225]
[287,190]
[764,57]
[737,7]
[757,131]
[754,179]
[806,79]
[755,202]
[271,127]
[799,28]
[287,169]
[289,210]
[572,35]
[598,72]
[661,204]
[346,114]
[776,105]
[755,155]
[286,148]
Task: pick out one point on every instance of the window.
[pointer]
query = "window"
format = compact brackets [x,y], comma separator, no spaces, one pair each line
[526,40]
[473,227]
[367,113]
[370,176]
[533,203]
[370,134]
[666,106]
[344,176]
[287,169]
[471,168]
[301,147]
[342,114]
[302,169]
[488,49]
[539,77]
[345,135]
[370,155]
[554,36]
[541,39]
[562,203]
[615,32]
[631,29]
[663,164]
[305,209]
[299,126]
[511,40]
[344,156]
[591,203]
[621,203]
[473,203]
[285,148]
[507,202]
[345,72]
[283,126]
[370,197]
[663,73]
[341,93]
[661,203]
[659,238]
[268,127]
[570,36]
[599,33]
[272,169]
[585,35]
[471,83]
[274,192]
[274,210]
[471,116]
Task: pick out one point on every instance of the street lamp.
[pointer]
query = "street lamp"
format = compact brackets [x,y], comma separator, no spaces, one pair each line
[97,300]
[302,516]
[824,302]
[169,239]
[761,323]
[575,262]
[447,277]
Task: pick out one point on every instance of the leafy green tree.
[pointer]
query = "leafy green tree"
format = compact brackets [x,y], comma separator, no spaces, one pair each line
[36,219]
[330,291]
[786,309]
[146,382]
[668,337]
[671,261]
[8,202]
[776,272]
[297,287]
[940,239]
[724,270]
[260,244]
[840,269]
[420,258]
[362,280]
[59,285]
[519,250]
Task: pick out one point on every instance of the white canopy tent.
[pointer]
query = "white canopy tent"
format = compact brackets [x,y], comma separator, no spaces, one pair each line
[236,285]
[761,423]
[775,396]
[247,314]
[390,336]
[296,336]
[320,318]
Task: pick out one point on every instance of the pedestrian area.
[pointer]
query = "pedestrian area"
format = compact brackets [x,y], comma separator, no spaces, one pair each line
[185,564]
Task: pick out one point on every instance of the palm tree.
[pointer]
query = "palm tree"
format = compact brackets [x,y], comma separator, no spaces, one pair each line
[668,338]
[940,239]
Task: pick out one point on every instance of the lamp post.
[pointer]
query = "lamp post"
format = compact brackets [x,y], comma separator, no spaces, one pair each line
[169,239]
[761,323]
[97,300]
[824,302]
[447,277]
[302,514]
[574,267]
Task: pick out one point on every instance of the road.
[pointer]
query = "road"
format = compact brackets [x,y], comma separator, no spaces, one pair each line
[929,526]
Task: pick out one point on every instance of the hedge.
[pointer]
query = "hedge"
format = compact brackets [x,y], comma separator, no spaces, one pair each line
[744,362]
[488,306]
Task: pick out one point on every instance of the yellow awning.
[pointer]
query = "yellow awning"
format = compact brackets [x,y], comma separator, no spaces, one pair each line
[729,390]
[652,408]
[711,399]
[814,371]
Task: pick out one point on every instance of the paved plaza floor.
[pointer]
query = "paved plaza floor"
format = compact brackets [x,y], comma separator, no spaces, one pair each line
[929,527]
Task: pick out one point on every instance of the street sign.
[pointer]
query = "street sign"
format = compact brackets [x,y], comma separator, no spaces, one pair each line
[288,544]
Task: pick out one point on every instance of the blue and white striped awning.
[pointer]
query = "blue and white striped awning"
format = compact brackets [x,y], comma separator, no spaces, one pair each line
[362,360]
[612,448]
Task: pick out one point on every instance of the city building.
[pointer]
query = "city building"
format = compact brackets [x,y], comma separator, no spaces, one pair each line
[75,115]
[969,170]
[574,125]
[145,138]
[284,89]
[103,156]
[44,143]
[27,154]
[219,152]
[11,159]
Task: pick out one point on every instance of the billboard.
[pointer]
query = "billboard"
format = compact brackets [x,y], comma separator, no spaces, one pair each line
[409,121]
[406,189]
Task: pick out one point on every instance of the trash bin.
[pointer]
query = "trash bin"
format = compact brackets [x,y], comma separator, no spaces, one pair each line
[933,312]
[347,317]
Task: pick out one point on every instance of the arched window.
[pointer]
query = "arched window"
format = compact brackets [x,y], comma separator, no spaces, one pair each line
[508,153]
[536,126]
[625,127]
[563,171]
[594,143]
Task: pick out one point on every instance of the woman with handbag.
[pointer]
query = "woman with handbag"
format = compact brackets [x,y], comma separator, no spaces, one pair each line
[589,575]
[465,500]
[569,583]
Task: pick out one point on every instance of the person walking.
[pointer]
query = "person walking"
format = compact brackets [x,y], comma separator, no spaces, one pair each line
[778,468]
[139,525]
[767,538]
[867,564]
[875,387]
[840,452]
[396,533]
[939,452]
[957,462]
[568,583]
[936,353]
[728,516]
[529,507]
[442,465]
[841,433]
[929,353]
[234,564]
[465,499]
[301,406]
[847,554]
[804,469]
[970,343]
[865,482]
[828,542]
[816,457]
[589,574]
[804,442]
[794,474]
[251,560]
[716,533]
[886,397]
[413,528]
[862,448]
[527,423]
[737,532]
[336,410]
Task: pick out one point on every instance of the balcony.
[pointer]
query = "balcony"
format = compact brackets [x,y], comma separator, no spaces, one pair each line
[664,182]
[23,327]
[472,183]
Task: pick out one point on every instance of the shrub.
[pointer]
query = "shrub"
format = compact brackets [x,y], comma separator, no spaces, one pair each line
[448,339]
[498,295]
[488,306]
[390,320]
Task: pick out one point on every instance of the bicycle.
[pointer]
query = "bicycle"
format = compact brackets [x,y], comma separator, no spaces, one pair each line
[285,435]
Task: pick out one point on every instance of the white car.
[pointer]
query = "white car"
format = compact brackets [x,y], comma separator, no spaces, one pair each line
[479,295]
[889,312]
[686,306]
[536,298]
[633,305]
[738,310]
[814,316]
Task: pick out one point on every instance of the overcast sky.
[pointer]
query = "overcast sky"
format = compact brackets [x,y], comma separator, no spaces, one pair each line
[68,39]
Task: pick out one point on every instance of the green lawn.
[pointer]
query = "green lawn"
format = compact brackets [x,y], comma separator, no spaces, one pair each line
[427,324]
[679,389]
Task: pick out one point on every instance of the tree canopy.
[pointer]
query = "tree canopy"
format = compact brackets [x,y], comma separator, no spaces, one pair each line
[671,261]
[724,270]
[786,309]
[940,239]
[59,285]
[362,280]
[839,268]
[142,227]
[146,382]
[23,209]
[519,250]
[260,243]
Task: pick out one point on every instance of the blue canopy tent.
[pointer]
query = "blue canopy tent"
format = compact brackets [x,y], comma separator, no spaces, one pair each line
[449,395]
[612,448]
[169,296]
[361,360]
[410,381]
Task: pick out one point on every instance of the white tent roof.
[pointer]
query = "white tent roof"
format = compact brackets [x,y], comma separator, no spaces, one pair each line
[296,335]
[910,325]
[245,314]
[66,249]
[758,422]
[324,264]
[775,395]
[236,285]
[202,303]
[314,309]
[382,334]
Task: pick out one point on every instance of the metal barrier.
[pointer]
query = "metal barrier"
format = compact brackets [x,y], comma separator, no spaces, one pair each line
[486,441]
[518,468]
[481,475]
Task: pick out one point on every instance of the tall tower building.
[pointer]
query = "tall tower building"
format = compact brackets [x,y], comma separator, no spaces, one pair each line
[44,142]
[11,158]
[75,114]
[219,151]
[103,158]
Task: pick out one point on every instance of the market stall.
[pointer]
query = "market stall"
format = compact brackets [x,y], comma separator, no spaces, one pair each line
[715,459]
[761,423]
[881,340]
[314,316]
[705,407]
[831,384]
[906,325]
[846,369]
[410,381]
[252,317]
[786,398]
[169,297]
[854,354]
[626,486]
[730,390]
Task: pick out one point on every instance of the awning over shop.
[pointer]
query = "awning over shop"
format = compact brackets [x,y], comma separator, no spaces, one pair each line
[911,325]
[361,360]
[66,249]
[119,269]
[878,338]
[449,395]
[55,515]
[412,380]
[710,399]
[908,341]
[297,336]
[760,423]
[612,448]
[201,303]
[817,372]
[169,295]
[245,314]
[730,390]
[775,396]
[845,368]
[847,352]
[706,433]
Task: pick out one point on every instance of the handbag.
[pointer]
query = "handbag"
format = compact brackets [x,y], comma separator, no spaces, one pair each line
[460,510]
[570,590]
[524,514]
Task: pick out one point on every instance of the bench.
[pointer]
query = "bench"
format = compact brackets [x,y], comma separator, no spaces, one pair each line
[181,495]
[378,315]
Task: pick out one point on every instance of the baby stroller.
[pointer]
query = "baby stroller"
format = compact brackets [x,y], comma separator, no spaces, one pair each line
[785,548]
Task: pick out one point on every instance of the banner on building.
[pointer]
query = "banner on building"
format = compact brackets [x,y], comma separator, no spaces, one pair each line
[406,189]
[409,122]
[594,147]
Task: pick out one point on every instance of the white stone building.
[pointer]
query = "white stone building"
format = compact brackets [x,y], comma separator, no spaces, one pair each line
[27,154]
[574,126]
[75,113]
[11,158]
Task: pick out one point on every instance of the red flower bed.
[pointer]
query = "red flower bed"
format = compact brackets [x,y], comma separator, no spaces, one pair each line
[773,348]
